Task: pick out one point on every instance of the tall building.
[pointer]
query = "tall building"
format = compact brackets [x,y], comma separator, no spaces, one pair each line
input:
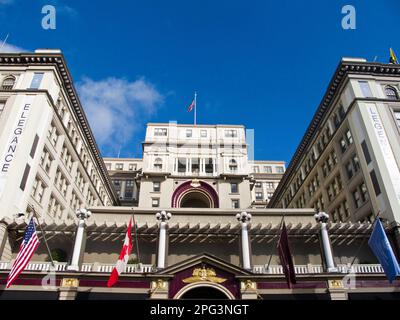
[347,163]
[49,158]
[176,156]
[197,198]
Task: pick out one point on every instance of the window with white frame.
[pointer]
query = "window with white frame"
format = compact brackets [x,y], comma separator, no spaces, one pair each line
[233,165]
[160,132]
[235,204]
[36,80]
[230,133]
[155,202]
[267,169]
[391,93]
[203,133]
[2,106]
[8,83]
[189,133]
[158,164]
[279,169]
[397,117]
[156,186]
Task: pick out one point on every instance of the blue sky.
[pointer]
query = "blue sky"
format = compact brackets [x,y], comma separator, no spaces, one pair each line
[264,64]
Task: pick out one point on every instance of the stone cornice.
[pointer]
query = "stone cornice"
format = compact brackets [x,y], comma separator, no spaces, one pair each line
[344,69]
[57,60]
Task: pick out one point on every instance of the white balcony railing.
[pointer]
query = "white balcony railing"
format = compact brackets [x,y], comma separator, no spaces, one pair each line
[318,269]
[86,267]
[148,268]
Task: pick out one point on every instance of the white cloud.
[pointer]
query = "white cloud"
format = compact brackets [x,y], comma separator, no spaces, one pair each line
[10,48]
[118,108]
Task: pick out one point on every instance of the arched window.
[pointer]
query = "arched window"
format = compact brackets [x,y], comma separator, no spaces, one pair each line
[233,165]
[158,164]
[391,93]
[8,83]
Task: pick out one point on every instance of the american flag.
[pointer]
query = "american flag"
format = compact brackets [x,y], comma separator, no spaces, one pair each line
[28,247]
[192,105]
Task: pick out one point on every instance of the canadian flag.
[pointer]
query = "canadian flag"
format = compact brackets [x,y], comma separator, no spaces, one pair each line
[123,257]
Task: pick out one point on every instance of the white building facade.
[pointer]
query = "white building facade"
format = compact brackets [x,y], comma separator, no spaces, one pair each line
[49,160]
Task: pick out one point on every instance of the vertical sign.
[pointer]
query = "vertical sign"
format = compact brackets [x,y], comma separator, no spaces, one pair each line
[9,152]
[386,149]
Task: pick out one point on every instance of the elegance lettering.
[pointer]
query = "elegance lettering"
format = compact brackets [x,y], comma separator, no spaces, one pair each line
[12,146]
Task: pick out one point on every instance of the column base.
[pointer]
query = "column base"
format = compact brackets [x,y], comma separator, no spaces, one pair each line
[73,268]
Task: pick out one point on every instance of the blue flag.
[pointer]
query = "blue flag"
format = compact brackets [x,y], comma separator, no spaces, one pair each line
[379,243]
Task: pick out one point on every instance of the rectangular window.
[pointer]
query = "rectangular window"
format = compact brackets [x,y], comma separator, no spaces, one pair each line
[235,204]
[132,167]
[2,105]
[34,146]
[25,177]
[396,115]
[375,182]
[256,169]
[160,132]
[119,166]
[234,187]
[195,165]
[230,133]
[209,165]
[258,184]
[36,80]
[367,156]
[279,169]
[189,133]
[155,202]
[268,169]
[270,185]
[108,166]
[203,133]
[181,164]
[365,89]
[259,196]
[357,199]
[156,186]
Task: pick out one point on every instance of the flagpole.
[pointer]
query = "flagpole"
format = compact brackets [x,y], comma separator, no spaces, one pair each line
[363,241]
[272,252]
[195,107]
[44,237]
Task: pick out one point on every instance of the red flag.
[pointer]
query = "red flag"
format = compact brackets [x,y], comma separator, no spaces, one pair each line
[190,108]
[123,257]
[286,257]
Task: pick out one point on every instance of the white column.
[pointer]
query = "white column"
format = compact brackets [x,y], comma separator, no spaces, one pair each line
[163,218]
[322,218]
[80,240]
[244,218]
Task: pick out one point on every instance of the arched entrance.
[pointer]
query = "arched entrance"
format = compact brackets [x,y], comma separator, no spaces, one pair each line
[204,293]
[196,199]
[204,290]
[195,195]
